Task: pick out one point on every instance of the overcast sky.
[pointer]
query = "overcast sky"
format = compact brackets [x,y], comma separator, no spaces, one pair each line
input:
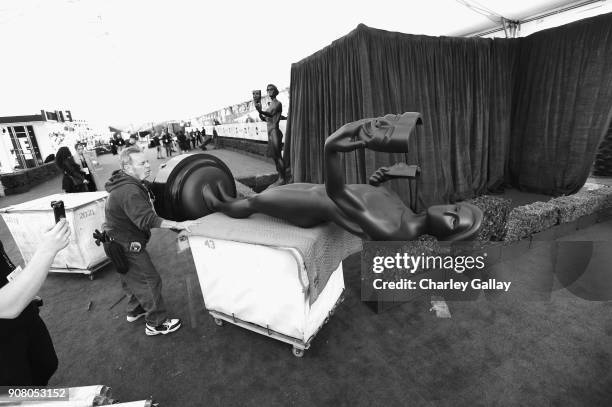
[122,61]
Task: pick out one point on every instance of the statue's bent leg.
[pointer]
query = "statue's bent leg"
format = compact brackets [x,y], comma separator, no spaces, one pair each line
[297,204]
[239,208]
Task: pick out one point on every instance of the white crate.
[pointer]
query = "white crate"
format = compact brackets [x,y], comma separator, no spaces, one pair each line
[263,289]
[84,213]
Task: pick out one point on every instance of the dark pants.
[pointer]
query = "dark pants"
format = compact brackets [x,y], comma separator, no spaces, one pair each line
[27,355]
[143,285]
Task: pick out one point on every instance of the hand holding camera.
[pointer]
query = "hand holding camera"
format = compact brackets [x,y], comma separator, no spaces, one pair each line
[56,238]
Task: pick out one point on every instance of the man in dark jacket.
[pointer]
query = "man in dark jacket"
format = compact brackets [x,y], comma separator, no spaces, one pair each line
[129,219]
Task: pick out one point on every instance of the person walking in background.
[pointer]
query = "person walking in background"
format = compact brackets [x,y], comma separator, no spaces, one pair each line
[74,179]
[87,168]
[192,137]
[199,136]
[112,142]
[158,146]
[183,142]
[119,142]
[205,140]
[27,355]
[167,141]
[129,219]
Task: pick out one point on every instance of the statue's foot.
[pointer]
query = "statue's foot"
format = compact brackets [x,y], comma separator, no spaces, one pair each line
[210,200]
[225,197]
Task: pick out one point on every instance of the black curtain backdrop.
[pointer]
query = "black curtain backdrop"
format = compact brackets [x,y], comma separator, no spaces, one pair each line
[475,96]
[563,102]
[461,86]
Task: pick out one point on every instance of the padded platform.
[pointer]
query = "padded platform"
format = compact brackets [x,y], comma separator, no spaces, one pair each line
[321,248]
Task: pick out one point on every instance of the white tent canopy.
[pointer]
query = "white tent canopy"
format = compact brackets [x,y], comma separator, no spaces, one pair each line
[118,65]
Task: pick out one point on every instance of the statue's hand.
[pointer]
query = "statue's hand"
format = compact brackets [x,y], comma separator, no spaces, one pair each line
[379,176]
[399,170]
[347,138]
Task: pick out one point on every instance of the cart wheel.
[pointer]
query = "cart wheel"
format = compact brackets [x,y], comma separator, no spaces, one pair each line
[91,277]
[297,352]
[218,321]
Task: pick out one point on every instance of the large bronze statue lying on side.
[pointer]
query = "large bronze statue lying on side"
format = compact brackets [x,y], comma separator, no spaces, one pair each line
[368,211]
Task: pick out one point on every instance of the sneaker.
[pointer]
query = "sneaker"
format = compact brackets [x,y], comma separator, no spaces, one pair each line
[135,315]
[166,327]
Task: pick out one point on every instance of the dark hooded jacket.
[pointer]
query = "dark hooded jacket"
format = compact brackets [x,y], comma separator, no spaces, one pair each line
[129,209]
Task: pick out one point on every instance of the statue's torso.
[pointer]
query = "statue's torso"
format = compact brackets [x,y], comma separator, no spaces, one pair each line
[388,211]
[275,108]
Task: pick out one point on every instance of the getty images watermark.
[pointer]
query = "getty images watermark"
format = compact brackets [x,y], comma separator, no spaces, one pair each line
[411,264]
[400,271]
[464,271]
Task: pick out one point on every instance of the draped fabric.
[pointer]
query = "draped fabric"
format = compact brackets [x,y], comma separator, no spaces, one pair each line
[563,102]
[460,86]
[490,107]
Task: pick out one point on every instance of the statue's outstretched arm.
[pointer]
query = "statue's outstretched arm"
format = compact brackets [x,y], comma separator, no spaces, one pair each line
[343,140]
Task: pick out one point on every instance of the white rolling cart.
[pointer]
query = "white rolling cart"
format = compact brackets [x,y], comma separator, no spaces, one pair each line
[84,212]
[267,288]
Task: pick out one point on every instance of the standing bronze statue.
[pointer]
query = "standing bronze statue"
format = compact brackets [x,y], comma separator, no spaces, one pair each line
[272,116]
[368,211]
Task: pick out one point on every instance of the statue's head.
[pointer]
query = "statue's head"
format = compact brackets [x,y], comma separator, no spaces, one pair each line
[455,222]
[390,133]
[272,90]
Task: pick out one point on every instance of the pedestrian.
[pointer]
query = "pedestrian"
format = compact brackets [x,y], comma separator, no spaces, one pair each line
[167,141]
[112,142]
[206,140]
[158,146]
[192,137]
[182,142]
[27,355]
[119,142]
[129,220]
[74,179]
[199,136]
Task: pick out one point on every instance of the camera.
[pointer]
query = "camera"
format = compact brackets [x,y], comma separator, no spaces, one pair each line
[58,210]
[257,96]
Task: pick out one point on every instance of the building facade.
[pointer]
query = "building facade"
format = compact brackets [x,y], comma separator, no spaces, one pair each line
[25,141]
